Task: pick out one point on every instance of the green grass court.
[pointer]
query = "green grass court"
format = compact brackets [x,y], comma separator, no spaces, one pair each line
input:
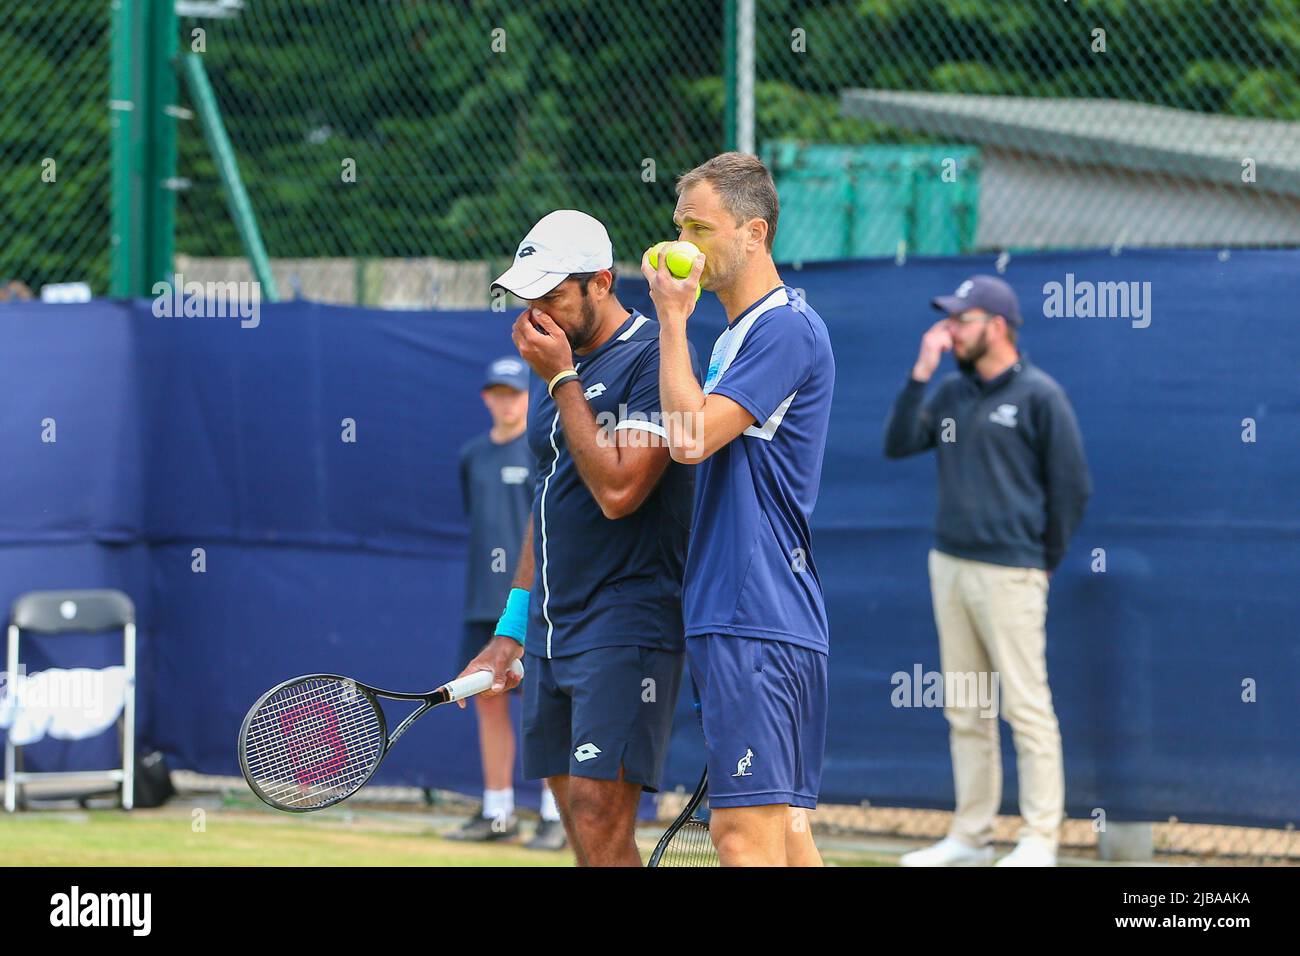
[239,838]
[240,835]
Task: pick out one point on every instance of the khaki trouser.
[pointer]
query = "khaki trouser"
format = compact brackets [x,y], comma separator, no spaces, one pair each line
[992,619]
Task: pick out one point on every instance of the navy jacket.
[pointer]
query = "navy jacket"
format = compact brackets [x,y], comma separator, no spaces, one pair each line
[1013,481]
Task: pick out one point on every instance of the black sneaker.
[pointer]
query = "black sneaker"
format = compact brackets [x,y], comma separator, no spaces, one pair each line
[481,829]
[549,835]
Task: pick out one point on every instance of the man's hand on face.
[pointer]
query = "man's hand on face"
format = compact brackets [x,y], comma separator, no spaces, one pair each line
[934,343]
[547,351]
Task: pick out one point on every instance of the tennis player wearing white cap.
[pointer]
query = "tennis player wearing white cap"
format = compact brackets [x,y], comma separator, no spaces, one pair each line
[596,602]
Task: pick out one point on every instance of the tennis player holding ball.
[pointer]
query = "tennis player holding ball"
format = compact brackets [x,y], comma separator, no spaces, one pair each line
[597,598]
[756,631]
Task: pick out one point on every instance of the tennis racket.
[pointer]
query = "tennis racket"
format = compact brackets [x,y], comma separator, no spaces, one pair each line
[687,841]
[313,741]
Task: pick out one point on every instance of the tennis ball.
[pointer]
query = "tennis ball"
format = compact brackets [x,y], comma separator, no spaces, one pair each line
[681,256]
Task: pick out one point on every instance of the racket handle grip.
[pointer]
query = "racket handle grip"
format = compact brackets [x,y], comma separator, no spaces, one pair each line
[476,683]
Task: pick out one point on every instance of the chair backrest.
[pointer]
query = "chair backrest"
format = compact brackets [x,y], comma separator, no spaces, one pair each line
[61,612]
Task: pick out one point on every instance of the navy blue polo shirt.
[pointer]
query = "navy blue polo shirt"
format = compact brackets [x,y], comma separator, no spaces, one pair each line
[602,582]
[751,570]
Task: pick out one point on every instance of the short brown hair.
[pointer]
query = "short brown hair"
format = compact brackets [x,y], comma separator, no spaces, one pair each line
[743,184]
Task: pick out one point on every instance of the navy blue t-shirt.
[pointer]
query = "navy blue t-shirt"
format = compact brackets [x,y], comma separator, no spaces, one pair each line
[602,582]
[751,569]
[496,487]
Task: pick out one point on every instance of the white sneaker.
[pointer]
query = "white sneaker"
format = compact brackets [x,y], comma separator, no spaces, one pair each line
[1030,851]
[948,852]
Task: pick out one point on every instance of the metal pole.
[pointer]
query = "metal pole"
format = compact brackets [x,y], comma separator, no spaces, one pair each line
[128,720]
[125,233]
[141,116]
[159,146]
[745,76]
[11,763]
[241,208]
[729,75]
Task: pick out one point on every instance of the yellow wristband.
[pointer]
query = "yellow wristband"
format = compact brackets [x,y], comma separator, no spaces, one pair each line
[564,376]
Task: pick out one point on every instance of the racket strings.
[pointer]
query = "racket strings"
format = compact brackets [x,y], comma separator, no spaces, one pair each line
[691,845]
[314,742]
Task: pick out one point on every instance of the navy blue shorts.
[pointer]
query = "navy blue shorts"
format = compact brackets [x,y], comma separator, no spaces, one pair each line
[585,715]
[763,707]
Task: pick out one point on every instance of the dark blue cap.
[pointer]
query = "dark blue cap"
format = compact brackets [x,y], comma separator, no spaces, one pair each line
[982,292]
[509,370]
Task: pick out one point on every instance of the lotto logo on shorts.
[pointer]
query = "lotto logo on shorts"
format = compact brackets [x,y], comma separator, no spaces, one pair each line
[586,752]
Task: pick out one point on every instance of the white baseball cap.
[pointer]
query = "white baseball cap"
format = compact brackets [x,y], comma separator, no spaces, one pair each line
[563,243]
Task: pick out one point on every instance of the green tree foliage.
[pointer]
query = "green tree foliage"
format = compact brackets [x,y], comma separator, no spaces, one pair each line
[456,143]
[54,154]
[459,144]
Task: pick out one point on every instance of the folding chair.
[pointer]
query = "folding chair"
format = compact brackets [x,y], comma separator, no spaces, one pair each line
[63,612]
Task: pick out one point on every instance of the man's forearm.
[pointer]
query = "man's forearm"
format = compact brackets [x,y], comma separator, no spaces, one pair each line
[526,566]
[679,393]
[595,451]
[905,432]
[1068,481]
[1064,514]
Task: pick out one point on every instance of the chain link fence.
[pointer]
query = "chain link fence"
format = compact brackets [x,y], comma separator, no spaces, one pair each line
[1051,124]
[410,145]
[1171,841]
[403,148]
[54,145]
[395,150]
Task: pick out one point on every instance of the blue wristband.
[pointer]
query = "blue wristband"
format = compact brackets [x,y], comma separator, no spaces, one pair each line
[514,620]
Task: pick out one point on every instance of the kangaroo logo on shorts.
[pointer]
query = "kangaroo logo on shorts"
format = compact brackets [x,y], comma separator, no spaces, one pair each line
[742,765]
[586,752]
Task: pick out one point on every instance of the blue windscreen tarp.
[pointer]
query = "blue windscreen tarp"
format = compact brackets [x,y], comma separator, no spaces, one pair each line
[187,440]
